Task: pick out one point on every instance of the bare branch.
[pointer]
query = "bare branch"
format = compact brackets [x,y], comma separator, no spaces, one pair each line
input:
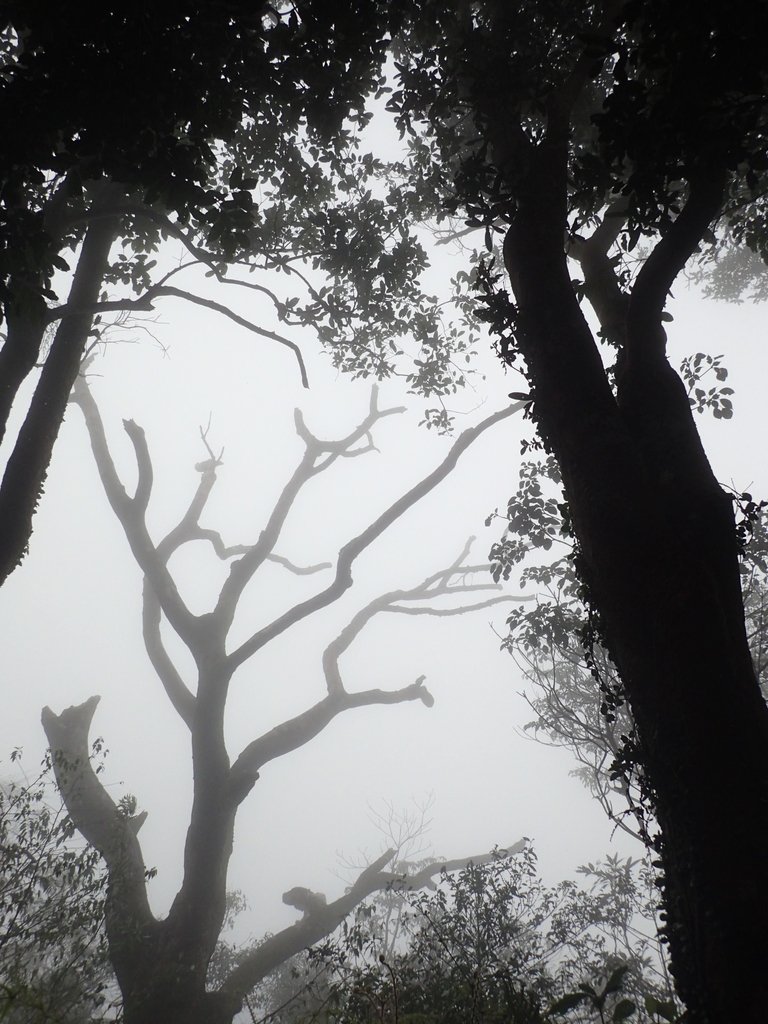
[180,696]
[320,919]
[143,465]
[298,731]
[131,515]
[219,307]
[224,551]
[145,303]
[477,606]
[299,570]
[311,464]
[424,875]
[188,527]
[351,550]
[253,286]
[451,580]
[96,815]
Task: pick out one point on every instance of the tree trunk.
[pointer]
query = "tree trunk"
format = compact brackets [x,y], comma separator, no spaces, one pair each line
[166,996]
[658,552]
[27,466]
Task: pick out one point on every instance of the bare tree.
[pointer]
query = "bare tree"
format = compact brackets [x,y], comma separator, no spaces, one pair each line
[161,964]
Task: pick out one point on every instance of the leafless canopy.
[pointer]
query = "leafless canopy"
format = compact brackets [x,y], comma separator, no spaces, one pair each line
[222,782]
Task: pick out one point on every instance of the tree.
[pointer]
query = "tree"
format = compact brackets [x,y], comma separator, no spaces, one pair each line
[579,130]
[53,964]
[545,640]
[161,965]
[489,943]
[231,131]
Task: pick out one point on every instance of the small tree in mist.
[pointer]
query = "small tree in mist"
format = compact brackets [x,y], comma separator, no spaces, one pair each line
[161,965]
[488,943]
[54,967]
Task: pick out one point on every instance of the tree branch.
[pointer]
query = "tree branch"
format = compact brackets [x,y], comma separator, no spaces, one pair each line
[298,731]
[646,336]
[180,696]
[145,302]
[322,919]
[130,513]
[243,570]
[601,286]
[97,817]
[437,585]
[219,307]
[299,570]
[188,527]
[351,550]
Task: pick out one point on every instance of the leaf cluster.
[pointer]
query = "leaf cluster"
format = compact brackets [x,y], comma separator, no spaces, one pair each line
[490,943]
[572,685]
[53,958]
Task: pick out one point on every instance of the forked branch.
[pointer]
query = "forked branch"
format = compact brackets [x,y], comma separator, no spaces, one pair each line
[350,552]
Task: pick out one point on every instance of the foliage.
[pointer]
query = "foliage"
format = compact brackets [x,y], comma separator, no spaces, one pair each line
[53,958]
[576,695]
[240,63]
[490,943]
[250,159]
[239,144]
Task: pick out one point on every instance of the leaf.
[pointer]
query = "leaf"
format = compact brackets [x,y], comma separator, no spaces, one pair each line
[616,979]
[568,1002]
[623,1010]
[664,1009]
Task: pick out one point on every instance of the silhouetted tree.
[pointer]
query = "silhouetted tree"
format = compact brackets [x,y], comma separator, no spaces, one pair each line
[232,131]
[581,130]
[628,137]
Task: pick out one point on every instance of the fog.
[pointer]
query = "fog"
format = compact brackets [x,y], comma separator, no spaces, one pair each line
[72,612]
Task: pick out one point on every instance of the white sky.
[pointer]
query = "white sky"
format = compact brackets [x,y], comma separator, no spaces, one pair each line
[71,614]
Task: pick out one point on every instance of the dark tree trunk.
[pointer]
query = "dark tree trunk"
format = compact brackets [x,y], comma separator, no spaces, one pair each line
[165,994]
[27,467]
[659,554]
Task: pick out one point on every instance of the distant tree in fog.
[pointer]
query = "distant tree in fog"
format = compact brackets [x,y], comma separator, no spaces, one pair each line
[161,965]
[577,704]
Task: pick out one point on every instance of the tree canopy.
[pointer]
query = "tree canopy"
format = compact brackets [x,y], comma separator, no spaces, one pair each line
[233,131]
